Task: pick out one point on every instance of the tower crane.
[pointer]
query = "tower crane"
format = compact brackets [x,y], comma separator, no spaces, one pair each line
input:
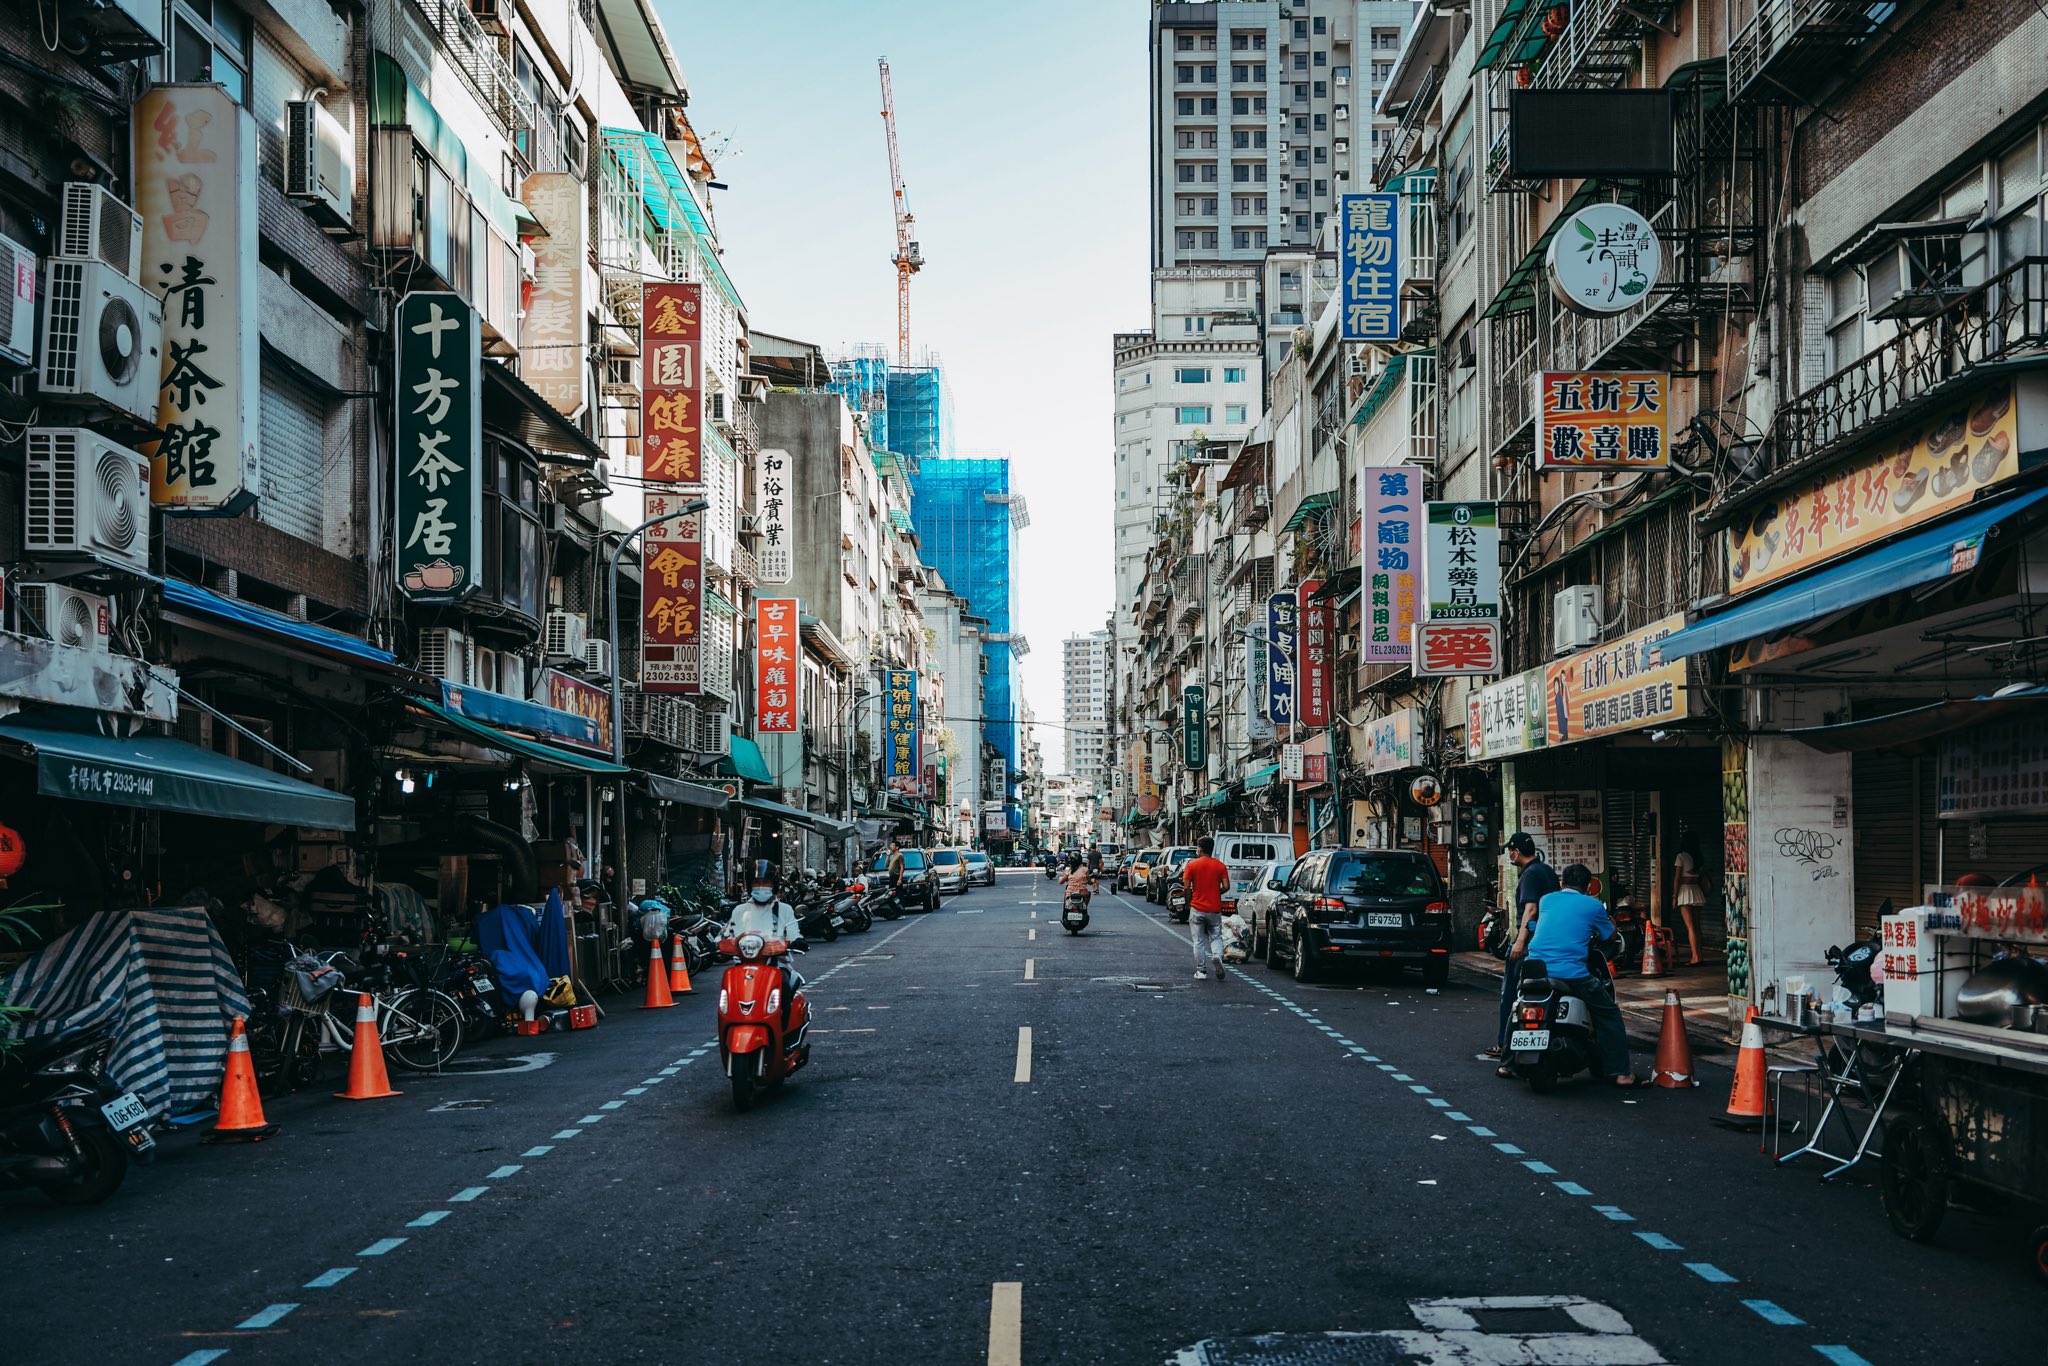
[908,260]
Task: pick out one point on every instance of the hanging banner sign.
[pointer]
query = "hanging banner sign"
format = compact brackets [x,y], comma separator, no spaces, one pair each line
[1457,648]
[1603,259]
[440,426]
[1614,688]
[1461,561]
[1606,420]
[775,666]
[1280,621]
[672,383]
[771,480]
[1293,763]
[195,187]
[1391,529]
[551,332]
[578,697]
[1389,742]
[1314,654]
[1194,723]
[1369,255]
[899,728]
[671,597]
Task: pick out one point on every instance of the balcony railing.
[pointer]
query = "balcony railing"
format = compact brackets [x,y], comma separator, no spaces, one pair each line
[1791,47]
[1602,44]
[2003,319]
[476,54]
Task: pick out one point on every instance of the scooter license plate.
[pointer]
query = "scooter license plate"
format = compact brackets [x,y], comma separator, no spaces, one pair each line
[484,984]
[125,1112]
[1528,1041]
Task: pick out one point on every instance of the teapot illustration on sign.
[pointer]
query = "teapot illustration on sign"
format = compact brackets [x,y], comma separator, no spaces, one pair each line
[438,577]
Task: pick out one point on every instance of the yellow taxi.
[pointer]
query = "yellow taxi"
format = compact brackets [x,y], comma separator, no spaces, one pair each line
[1139,868]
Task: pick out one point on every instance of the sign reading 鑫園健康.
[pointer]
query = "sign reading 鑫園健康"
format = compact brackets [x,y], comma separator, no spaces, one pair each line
[1461,562]
[440,447]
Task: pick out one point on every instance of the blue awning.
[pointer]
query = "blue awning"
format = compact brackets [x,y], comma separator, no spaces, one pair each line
[1922,557]
[519,744]
[746,762]
[496,709]
[192,598]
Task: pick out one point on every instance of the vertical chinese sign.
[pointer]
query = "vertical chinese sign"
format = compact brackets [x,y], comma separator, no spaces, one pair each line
[1280,623]
[1194,726]
[775,666]
[1461,561]
[778,562]
[440,447]
[1369,255]
[671,596]
[195,187]
[1616,420]
[1392,532]
[672,383]
[551,333]
[900,723]
[1258,725]
[1312,708]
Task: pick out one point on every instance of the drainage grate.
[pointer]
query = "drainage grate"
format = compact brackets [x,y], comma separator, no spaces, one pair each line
[461,1105]
[1296,1349]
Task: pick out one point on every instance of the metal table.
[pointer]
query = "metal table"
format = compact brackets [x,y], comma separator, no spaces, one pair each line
[1869,1070]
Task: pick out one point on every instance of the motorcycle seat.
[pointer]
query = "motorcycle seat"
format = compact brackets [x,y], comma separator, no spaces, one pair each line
[31,1054]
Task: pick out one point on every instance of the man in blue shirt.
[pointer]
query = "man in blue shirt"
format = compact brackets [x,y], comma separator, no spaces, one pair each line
[1534,880]
[1566,924]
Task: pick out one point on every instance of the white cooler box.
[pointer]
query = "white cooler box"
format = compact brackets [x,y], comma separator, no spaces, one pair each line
[1916,981]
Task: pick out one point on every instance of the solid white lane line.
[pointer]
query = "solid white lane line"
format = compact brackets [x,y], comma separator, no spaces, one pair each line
[1006,1324]
[1023,1053]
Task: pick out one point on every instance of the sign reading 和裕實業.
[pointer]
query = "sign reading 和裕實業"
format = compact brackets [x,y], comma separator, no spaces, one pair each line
[771,484]
[672,382]
[1603,420]
[194,175]
[1461,562]
[671,595]
[900,729]
[440,447]
[1391,529]
[1281,612]
[1369,266]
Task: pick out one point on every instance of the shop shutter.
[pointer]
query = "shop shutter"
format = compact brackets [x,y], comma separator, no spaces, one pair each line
[1627,840]
[294,433]
[1886,791]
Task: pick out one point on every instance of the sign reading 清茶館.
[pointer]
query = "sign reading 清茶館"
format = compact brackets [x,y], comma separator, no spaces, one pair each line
[195,187]
[900,728]
[1369,257]
[1388,743]
[1391,529]
[1603,420]
[771,483]
[672,382]
[439,424]
[1614,687]
[1929,470]
[551,351]
[671,595]
[1461,561]
[776,664]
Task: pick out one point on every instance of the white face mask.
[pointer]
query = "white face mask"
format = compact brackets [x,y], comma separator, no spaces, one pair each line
[762,895]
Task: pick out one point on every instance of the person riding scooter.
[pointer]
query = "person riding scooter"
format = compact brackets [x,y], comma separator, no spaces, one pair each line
[766,914]
[1080,880]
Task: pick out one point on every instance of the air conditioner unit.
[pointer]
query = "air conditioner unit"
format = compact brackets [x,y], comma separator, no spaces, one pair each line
[597,657]
[17,303]
[1575,619]
[103,337]
[1347,644]
[444,653]
[66,616]
[489,15]
[320,160]
[718,736]
[484,670]
[563,635]
[87,496]
[1343,81]
[97,226]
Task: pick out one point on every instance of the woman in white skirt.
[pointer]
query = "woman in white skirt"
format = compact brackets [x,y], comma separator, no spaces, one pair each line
[1690,889]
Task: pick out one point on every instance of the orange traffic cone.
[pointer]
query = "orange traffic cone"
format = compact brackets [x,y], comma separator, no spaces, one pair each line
[678,968]
[241,1108]
[366,1077]
[657,980]
[1674,1054]
[1747,1101]
[1655,938]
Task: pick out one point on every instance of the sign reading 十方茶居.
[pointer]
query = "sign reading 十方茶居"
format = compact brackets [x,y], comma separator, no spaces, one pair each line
[440,447]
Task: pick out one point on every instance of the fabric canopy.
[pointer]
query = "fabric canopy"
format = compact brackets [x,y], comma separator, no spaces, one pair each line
[1310,505]
[164,774]
[1259,777]
[823,824]
[685,794]
[519,744]
[1922,557]
[745,761]
[1916,728]
[191,598]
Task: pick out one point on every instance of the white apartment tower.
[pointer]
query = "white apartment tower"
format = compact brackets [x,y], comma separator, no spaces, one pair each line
[1087,709]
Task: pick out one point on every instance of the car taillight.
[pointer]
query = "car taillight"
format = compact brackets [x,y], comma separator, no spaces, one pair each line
[1329,903]
[1437,908]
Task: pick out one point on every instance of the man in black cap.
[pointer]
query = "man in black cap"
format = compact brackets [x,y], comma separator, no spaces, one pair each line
[1534,881]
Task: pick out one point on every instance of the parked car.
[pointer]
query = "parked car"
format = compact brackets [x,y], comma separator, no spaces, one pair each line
[919,891]
[949,871]
[1255,903]
[1118,871]
[1371,905]
[1139,871]
[1166,872]
[1245,853]
[979,869]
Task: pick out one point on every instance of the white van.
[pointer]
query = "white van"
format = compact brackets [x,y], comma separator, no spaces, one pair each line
[1245,852]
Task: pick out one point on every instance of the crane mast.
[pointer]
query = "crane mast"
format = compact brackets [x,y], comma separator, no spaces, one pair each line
[907,259]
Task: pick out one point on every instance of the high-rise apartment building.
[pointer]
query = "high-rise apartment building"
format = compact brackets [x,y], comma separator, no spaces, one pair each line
[1087,708]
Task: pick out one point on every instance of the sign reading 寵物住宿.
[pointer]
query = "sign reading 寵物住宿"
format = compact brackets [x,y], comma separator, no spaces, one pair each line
[775,666]
[672,383]
[1461,562]
[771,482]
[1603,420]
[900,728]
[440,447]
[1603,259]
[551,351]
[671,596]
[1615,687]
[1388,743]
[1369,262]
[1391,528]
[194,174]
[1194,720]
[1312,654]
[1280,642]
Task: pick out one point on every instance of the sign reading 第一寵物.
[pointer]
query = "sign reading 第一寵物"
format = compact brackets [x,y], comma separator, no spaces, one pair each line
[1391,529]
[671,596]
[551,350]
[672,382]
[194,173]
[1603,259]
[900,728]
[1448,648]
[1312,706]
[1461,562]
[1194,721]
[771,484]
[1281,611]
[1603,420]
[1615,687]
[1369,266]
[776,664]
[440,471]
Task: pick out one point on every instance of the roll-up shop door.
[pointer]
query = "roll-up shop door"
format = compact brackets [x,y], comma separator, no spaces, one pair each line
[294,417]
[1886,790]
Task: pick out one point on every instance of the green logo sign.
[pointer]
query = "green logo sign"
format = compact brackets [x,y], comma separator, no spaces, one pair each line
[1194,740]
[440,448]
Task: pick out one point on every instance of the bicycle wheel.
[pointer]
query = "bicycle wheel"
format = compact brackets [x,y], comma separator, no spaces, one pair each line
[422,1028]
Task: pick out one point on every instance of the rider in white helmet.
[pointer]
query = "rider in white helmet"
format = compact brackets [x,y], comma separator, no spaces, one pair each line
[766,914]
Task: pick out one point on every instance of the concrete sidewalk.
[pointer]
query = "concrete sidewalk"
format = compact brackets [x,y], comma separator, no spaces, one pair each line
[1702,994]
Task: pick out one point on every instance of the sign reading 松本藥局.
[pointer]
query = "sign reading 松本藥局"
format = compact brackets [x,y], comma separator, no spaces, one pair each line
[1461,561]
[1603,420]
[195,188]
[440,447]
[1369,266]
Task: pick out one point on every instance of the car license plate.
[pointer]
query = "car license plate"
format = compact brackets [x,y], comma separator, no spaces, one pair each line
[1385,920]
[1528,1041]
[125,1112]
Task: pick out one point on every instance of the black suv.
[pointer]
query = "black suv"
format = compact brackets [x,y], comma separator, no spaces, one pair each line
[920,888]
[1375,905]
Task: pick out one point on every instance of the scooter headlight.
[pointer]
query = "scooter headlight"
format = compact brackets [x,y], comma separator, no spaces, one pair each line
[724,1000]
[775,1000]
[751,945]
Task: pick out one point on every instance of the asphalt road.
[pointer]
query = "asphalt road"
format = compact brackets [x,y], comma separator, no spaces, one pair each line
[1172,1168]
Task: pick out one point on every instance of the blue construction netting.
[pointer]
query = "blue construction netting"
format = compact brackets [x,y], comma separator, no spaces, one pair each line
[961,508]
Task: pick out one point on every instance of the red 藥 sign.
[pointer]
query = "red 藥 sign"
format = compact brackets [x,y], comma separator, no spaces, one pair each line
[1457,647]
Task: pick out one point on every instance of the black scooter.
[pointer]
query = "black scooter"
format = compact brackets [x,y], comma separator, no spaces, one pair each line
[1551,1030]
[66,1127]
[1074,913]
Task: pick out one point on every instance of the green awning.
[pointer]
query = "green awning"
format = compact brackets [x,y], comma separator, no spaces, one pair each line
[164,774]
[745,761]
[1497,41]
[899,519]
[1382,389]
[1259,777]
[1519,290]
[519,744]
[1312,504]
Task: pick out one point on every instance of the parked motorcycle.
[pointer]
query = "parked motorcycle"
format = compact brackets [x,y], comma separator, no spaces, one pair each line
[883,900]
[1177,904]
[1493,931]
[854,915]
[763,1017]
[815,910]
[1551,1030]
[66,1127]
[1074,913]
[472,982]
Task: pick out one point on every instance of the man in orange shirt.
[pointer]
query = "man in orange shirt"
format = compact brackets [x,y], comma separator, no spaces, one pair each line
[1207,879]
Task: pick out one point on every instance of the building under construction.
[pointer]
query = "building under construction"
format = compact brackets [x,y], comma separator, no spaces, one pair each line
[908,407]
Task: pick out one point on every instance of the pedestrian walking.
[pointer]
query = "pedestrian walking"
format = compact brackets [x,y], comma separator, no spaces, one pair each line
[1534,881]
[1689,889]
[1207,878]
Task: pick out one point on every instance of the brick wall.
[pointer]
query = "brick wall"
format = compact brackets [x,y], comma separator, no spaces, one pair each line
[269,556]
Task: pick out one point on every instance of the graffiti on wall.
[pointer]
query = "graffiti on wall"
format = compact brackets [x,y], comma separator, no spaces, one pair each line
[1735,856]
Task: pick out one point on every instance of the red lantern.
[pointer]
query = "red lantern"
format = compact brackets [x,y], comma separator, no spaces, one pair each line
[13,852]
[1555,20]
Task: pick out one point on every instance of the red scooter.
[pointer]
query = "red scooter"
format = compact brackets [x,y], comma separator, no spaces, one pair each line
[764,1019]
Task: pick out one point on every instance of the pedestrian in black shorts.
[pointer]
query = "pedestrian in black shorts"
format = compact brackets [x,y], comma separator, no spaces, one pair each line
[1536,881]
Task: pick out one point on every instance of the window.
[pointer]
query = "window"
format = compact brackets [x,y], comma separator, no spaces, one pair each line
[1240,42]
[1459,153]
[1240,105]
[1341,73]
[1322,59]
[210,42]
[1322,25]
[1322,89]
[1322,155]
[1259,173]
[1208,139]
[1185,72]
[1185,173]
[1386,40]
[1259,72]
[1240,73]
[1209,104]
[1233,412]
[1322,123]
[1241,239]
[1209,173]
[1301,155]
[1233,375]
[1208,75]
[1192,413]
[512,538]
[1240,138]
[1845,317]
[1301,28]
[1184,107]
[1301,91]
[1301,219]
[1209,205]
[1185,241]
[1322,188]
[1191,374]
[1241,173]
[1208,244]
[1184,42]
[1382,72]
[1301,61]
[1208,42]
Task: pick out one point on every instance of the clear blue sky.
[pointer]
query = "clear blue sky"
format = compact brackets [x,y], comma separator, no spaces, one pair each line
[1022,129]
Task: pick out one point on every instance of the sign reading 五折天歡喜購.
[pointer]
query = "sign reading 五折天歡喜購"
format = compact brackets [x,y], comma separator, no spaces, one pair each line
[1461,562]
[440,447]
[671,596]
[1369,266]
[1603,420]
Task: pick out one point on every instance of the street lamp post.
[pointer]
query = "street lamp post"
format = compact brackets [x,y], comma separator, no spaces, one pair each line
[690,509]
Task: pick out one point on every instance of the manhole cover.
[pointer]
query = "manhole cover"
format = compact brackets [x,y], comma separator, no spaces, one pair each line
[460,1105]
[1160,986]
